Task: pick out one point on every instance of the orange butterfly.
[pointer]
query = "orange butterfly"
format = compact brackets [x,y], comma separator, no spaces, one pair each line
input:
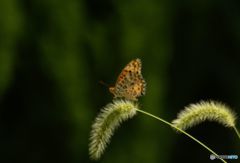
[130,83]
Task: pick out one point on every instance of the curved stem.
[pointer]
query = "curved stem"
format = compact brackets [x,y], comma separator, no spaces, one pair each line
[237,132]
[180,130]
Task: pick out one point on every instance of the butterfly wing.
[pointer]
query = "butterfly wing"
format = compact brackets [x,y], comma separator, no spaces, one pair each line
[130,83]
[136,87]
[134,67]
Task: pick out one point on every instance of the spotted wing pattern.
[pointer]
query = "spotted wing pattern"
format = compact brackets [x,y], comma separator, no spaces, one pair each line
[130,83]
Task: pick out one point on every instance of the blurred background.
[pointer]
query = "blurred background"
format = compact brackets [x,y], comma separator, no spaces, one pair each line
[54,53]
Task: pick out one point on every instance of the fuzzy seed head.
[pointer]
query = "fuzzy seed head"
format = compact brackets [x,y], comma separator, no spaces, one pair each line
[200,112]
[105,124]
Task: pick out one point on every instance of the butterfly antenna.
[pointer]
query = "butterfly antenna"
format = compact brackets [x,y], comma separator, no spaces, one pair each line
[103,83]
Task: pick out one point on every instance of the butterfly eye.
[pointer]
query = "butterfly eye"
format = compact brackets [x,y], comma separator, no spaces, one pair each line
[111,89]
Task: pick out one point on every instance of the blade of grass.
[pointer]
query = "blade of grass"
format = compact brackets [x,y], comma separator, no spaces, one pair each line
[185,133]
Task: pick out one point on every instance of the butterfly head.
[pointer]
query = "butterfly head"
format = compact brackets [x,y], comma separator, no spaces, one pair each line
[112,90]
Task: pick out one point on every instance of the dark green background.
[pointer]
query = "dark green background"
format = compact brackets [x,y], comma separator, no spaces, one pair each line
[53,53]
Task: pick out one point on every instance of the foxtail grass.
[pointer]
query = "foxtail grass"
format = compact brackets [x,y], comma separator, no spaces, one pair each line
[206,111]
[112,115]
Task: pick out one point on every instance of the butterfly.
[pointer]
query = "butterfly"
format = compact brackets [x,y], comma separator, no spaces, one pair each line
[130,83]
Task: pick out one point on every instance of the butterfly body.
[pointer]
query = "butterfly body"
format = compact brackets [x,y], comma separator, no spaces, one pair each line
[130,83]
